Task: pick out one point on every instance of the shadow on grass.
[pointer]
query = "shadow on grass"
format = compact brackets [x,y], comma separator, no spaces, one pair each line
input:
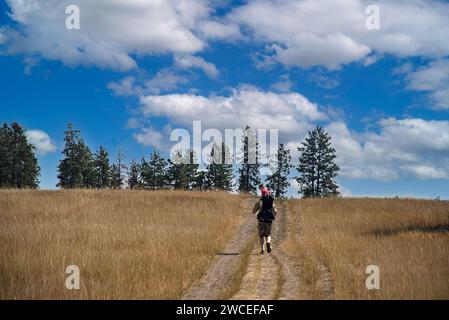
[439,228]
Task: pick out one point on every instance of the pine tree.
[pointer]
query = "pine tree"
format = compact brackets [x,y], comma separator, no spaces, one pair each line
[192,170]
[18,163]
[134,175]
[77,169]
[200,181]
[219,172]
[116,177]
[117,171]
[249,171]
[278,181]
[6,156]
[154,175]
[88,166]
[102,169]
[317,168]
[183,170]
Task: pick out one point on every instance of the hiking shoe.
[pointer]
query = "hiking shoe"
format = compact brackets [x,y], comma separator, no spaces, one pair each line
[262,252]
[268,247]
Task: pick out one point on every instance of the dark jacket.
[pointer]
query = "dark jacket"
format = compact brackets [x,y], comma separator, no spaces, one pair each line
[265,209]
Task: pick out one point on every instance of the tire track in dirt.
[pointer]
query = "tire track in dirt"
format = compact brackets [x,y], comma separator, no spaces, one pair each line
[271,276]
[267,277]
[290,281]
[215,284]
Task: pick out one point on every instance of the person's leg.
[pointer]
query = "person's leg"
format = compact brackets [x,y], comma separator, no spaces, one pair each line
[261,237]
[269,238]
[262,240]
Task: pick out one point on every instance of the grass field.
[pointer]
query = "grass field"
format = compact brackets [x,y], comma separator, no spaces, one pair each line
[407,239]
[155,245]
[127,244]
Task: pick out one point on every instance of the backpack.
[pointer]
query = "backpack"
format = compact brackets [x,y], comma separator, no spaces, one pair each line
[266,213]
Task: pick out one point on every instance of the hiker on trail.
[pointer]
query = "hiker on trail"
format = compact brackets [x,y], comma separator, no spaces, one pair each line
[266,211]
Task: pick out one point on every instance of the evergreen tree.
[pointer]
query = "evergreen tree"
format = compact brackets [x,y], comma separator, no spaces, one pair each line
[6,156]
[118,169]
[116,177]
[183,170]
[278,182]
[200,181]
[18,163]
[134,175]
[146,174]
[102,169]
[154,175]
[249,171]
[77,169]
[88,166]
[317,168]
[219,172]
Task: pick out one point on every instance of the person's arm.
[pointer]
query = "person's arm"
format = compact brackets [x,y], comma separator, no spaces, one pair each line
[275,209]
[257,207]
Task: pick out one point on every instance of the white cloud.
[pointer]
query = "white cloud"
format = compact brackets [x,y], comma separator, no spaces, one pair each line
[331,50]
[219,30]
[407,147]
[426,172]
[133,123]
[299,32]
[333,33]
[123,88]
[164,80]
[289,112]
[189,61]
[41,140]
[434,79]
[111,30]
[284,84]
[149,137]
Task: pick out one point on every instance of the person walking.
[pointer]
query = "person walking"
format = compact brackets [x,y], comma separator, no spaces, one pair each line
[265,210]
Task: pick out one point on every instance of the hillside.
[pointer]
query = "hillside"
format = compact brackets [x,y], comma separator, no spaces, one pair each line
[203,245]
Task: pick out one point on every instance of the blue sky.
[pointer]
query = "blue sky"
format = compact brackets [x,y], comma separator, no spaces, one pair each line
[136,70]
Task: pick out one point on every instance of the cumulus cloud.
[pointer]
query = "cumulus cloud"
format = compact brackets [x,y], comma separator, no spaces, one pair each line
[189,61]
[219,30]
[434,79]
[290,112]
[164,80]
[124,87]
[300,33]
[408,147]
[426,172]
[332,50]
[149,137]
[111,31]
[41,140]
[333,33]
[284,84]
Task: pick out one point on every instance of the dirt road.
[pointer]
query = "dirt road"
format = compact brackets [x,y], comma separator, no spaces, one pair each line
[269,276]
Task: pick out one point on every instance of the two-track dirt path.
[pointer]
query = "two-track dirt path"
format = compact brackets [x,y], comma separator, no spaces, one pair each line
[269,276]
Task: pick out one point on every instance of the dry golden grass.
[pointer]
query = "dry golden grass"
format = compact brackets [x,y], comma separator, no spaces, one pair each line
[407,239]
[127,244]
